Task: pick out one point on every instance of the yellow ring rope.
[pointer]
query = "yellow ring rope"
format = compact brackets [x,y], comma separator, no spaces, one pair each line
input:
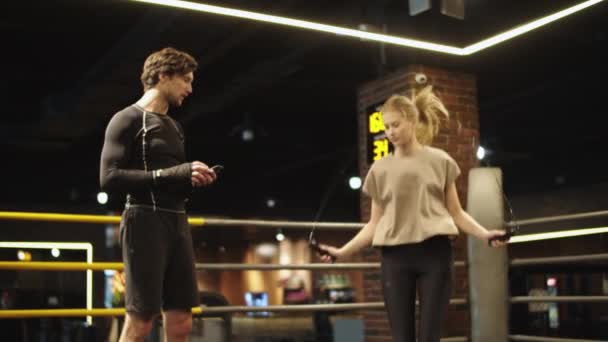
[75,218]
[60,266]
[69,312]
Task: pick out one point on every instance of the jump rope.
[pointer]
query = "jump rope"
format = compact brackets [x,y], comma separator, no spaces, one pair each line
[511,225]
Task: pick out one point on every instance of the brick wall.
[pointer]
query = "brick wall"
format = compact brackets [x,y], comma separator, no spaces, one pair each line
[459,138]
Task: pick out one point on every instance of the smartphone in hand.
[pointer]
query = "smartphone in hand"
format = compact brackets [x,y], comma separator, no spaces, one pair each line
[217,169]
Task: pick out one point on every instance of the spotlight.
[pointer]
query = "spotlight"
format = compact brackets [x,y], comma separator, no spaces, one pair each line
[354,182]
[24,256]
[55,252]
[247,135]
[102,198]
[247,129]
[481,152]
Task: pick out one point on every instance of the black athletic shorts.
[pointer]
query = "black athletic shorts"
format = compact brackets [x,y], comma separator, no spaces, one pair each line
[159,261]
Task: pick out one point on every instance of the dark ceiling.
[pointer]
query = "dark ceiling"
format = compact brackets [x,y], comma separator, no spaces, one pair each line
[70,65]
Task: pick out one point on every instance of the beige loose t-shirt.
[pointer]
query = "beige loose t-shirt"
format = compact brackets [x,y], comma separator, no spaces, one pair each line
[411,190]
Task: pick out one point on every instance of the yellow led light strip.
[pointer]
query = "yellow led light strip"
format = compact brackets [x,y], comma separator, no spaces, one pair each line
[401,41]
[63,245]
[557,235]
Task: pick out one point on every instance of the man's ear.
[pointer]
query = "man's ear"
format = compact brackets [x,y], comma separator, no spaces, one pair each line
[163,77]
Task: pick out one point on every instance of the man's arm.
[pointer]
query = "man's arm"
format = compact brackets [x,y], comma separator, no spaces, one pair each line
[116,152]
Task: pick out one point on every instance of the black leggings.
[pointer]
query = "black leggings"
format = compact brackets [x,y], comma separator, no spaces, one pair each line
[427,264]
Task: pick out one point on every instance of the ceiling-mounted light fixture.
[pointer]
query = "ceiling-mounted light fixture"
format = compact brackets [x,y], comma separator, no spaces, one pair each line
[453,8]
[418,6]
[383,38]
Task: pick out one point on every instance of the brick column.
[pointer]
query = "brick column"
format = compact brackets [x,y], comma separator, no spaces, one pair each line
[459,138]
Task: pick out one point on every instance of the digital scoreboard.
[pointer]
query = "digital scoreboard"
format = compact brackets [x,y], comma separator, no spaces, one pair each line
[377,143]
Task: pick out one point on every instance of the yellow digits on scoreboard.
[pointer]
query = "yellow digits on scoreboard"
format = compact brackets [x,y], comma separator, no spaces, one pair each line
[380,148]
[375,122]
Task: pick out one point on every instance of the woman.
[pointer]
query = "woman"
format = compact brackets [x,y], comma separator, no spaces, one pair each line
[415,212]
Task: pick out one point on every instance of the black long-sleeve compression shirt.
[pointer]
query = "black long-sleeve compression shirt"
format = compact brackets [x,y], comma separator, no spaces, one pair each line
[143,155]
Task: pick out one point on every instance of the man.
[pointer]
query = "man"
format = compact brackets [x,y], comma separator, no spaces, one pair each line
[143,155]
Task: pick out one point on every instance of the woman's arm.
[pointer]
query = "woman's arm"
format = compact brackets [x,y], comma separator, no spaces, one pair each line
[366,234]
[363,238]
[465,222]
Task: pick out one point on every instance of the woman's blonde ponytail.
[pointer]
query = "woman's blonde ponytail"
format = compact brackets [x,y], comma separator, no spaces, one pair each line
[424,108]
[430,113]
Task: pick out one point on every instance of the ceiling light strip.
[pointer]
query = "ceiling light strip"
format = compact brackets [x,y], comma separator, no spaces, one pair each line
[517,31]
[308,25]
[400,41]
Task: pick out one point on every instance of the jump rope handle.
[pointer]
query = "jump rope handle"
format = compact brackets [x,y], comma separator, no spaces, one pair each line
[315,246]
[501,238]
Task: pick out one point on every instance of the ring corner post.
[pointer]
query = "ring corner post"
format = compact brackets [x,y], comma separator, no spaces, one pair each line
[488,267]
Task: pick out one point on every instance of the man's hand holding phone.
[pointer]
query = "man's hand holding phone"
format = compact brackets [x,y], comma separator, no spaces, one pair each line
[203,175]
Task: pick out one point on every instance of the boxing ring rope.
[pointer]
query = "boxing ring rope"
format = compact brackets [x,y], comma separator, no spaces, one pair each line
[276,267]
[104,219]
[100,266]
[194,221]
[60,266]
[117,266]
[559,299]
[54,217]
[314,266]
[40,313]
[521,262]
[558,260]
[283,224]
[546,219]
[32,313]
